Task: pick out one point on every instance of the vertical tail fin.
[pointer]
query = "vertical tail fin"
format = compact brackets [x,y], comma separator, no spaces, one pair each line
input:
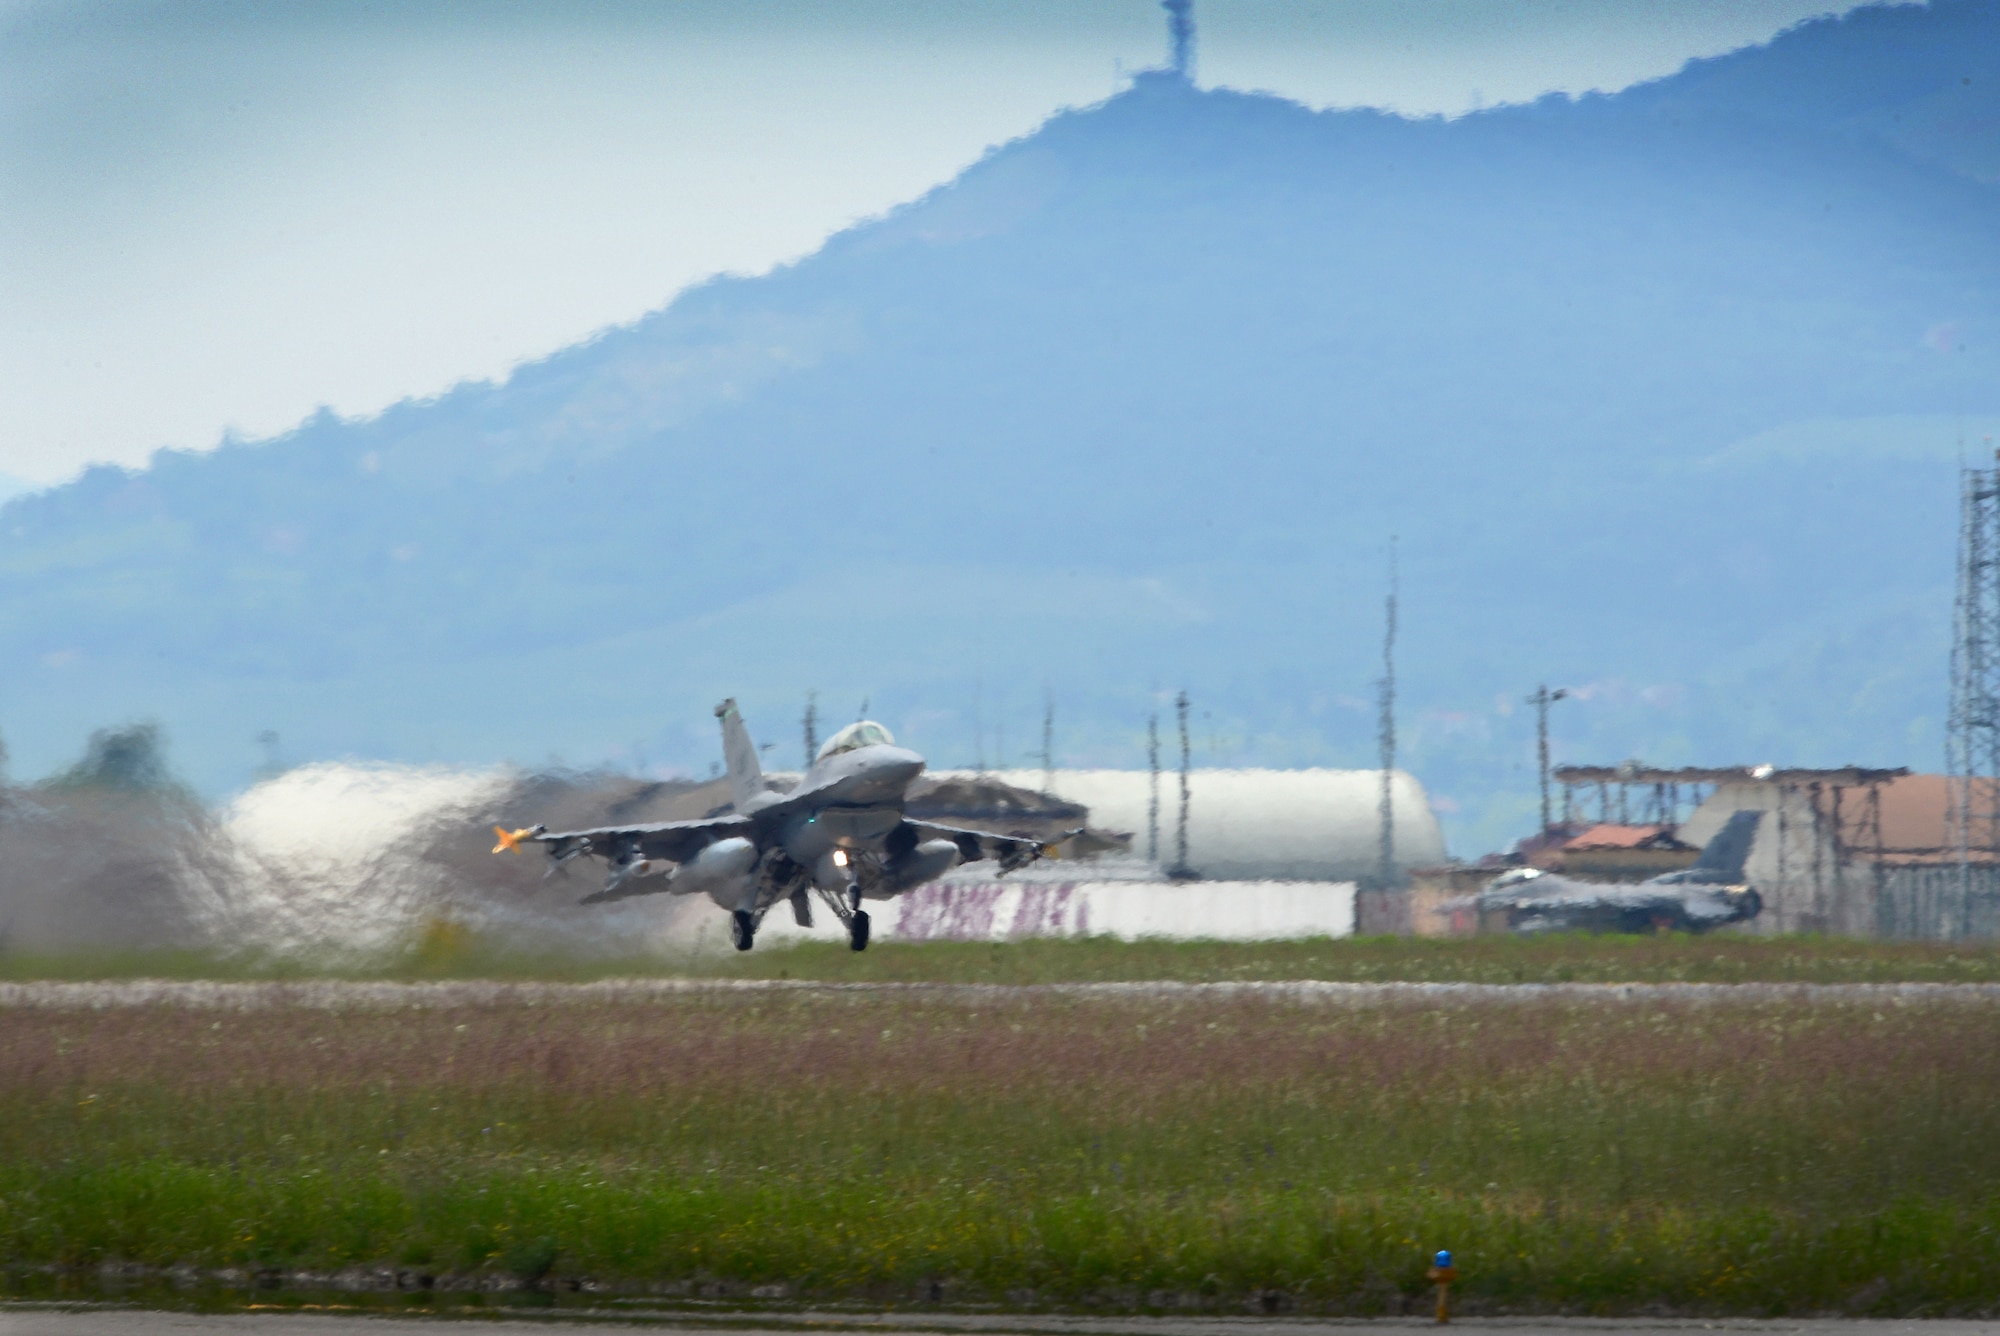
[746,777]
[1723,857]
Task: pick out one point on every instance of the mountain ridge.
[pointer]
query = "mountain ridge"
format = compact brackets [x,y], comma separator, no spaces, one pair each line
[1137,401]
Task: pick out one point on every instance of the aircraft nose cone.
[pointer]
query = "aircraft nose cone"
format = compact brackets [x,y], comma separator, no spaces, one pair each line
[880,774]
[899,766]
[888,772]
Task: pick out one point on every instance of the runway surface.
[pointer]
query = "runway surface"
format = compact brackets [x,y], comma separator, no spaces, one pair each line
[354,994]
[27,1320]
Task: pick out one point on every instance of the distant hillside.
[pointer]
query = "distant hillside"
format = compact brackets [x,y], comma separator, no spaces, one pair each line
[1660,391]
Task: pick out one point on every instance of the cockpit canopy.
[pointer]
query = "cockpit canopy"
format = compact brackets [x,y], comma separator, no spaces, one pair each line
[866,733]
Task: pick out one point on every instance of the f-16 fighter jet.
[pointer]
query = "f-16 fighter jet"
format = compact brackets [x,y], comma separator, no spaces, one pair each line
[1693,899]
[841,834]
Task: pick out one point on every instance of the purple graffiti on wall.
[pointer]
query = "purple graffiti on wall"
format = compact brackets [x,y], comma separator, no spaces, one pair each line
[940,913]
[971,912]
[1044,911]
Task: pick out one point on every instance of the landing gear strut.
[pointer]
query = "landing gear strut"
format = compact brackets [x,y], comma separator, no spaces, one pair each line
[845,902]
[743,929]
[857,918]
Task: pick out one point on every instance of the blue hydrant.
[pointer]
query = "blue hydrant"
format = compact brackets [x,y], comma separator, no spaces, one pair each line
[1444,1273]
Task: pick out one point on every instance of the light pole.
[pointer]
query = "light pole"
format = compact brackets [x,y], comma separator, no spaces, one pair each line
[1541,700]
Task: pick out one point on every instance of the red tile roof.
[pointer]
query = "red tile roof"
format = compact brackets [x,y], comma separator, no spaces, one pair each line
[1611,836]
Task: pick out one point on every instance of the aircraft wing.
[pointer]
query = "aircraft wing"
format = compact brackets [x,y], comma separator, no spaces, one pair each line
[673,841]
[1009,851]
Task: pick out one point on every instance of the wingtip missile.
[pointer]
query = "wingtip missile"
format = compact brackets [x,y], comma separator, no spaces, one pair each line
[510,840]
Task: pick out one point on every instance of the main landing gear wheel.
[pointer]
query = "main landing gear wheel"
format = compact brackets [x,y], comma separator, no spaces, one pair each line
[742,929]
[857,931]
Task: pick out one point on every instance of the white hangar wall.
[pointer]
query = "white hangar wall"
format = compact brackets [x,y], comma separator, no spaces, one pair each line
[1038,906]
[1259,825]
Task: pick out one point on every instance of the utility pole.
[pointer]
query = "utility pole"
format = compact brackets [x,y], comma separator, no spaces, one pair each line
[812,727]
[1153,803]
[1180,871]
[1385,872]
[1541,700]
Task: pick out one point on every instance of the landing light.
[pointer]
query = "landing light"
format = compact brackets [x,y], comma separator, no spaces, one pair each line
[840,858]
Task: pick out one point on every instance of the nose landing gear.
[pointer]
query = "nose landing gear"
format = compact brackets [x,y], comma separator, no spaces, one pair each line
[743,929]
[844,899]
[857,918]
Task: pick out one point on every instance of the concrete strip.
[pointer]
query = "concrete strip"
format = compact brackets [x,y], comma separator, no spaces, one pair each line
[348,994]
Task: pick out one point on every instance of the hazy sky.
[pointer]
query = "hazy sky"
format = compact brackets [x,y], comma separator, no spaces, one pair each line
[216,215]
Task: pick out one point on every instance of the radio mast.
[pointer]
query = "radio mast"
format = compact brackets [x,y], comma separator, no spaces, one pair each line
[1180,37]
[1385,873]
[1153,803]
[1181,870]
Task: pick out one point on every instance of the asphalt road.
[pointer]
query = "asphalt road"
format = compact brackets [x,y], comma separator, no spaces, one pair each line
[41,1320]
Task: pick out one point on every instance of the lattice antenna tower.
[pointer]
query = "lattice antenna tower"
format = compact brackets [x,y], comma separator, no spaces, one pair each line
[1972,735]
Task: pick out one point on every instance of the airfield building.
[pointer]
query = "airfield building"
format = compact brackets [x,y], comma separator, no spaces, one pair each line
[1858,852]
[1853,851]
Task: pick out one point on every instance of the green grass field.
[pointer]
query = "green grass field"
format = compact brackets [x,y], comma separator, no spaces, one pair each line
[446,952]
[1172,1151]
[1564,958]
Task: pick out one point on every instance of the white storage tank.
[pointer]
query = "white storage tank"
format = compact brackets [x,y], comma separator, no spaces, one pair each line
[1258,825]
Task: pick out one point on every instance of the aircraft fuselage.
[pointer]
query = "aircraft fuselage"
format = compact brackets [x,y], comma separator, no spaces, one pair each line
[848,805]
